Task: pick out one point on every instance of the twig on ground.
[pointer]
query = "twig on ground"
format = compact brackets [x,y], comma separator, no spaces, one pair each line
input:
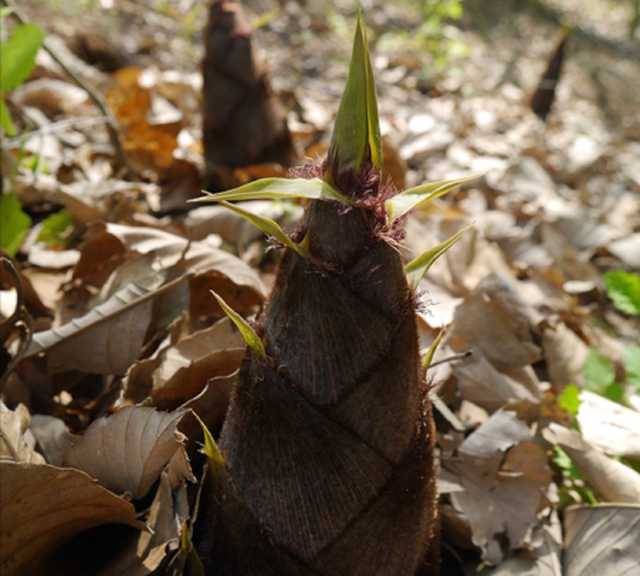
[60,126]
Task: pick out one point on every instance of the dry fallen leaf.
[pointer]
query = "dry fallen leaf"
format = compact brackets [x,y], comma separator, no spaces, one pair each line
[499,482]
[608,426]
[14,446]
[210,405]
[613,480]
[495,319]
[214,269]
[108,339]
[144,554]
[126,451]
[565,354]
[44,506]
[180,371]
[481,383]
[544,560]
[52,436]
[188,365]
[602,539]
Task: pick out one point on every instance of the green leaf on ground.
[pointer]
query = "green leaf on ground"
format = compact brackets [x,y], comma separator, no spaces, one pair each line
[564,462]
[14,224]
[614,392]
[632,366]
[56,228]
[624,289]
[19,55]
[598,372]
[569,400]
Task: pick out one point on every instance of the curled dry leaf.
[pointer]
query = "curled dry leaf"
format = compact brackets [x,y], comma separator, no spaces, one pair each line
[44,506]
[210,405]
[544,560]
[126,452]
[613,480]
[181,371]
[602,539]
[190,380]
[608,426]
[52,436]
[214,269]
[499,482]
[100,254]
[179,469]
[145,553]
[16,442]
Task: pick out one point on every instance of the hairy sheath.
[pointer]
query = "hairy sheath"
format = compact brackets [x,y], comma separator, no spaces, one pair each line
[330,445]
[326,463]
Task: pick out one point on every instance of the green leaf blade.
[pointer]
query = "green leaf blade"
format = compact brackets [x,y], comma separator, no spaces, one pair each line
[599,372]
[279,188]
[19,55]
[418,267]
[248,333]
[55,228]
[14,223]
[356,133]
[624,289]
[267,225]
[374,135]
[406,201]
[432,351]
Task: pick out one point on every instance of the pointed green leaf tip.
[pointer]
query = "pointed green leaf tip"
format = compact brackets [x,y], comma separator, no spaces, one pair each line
[356,134]
[248,333]
[432,351]
[418,267]
[210,446]
[406,201]
[193,562]
[278,188]
[268,226]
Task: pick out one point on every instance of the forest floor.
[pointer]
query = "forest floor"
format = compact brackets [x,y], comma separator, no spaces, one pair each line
[108,306]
